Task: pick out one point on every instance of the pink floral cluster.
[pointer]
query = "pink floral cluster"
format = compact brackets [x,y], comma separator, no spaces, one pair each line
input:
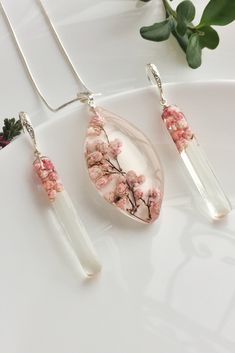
[121,188]
[177,126]
[48,176]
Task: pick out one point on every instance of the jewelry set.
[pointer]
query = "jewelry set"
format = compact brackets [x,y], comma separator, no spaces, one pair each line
[122,163]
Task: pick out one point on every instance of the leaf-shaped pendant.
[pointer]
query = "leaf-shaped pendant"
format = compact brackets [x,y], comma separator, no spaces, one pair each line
[124,166]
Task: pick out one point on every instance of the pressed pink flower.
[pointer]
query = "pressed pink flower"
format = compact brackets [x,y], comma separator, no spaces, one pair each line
[155,209]
[51,194]
[42,173]
[53,176]
[176,135]
[47,163]
[177,126]
[187,134]
[154,193]
[106,167]
[95,172]
[96,120]
[121,179]
[90,147]
[48,185]
[181,144]
[37,165]
[115,148]
[182,124]
[102,182]
[110,197]
[121,203]
[131,177]
[93,131]
[59,187]
[121,189]
[138,193]
[102,147]
[94,158]
[141,179]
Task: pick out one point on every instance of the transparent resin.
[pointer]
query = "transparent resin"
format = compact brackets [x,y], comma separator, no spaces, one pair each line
[205,180]
[123,166]
[196,162]
[76,234]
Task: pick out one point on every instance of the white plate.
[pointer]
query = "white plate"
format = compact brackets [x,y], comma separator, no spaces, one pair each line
[168,287]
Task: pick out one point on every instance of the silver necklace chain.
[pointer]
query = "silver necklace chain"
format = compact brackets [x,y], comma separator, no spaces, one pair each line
[85,96]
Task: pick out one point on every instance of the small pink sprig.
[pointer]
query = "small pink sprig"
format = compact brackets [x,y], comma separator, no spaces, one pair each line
[123,189]
[177,126]
[45,170]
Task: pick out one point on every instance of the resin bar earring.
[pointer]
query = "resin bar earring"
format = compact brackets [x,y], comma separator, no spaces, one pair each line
[193,157]
[61,203]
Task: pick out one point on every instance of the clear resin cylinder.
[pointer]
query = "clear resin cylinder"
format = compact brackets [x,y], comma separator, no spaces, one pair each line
[76,234]
[195,161]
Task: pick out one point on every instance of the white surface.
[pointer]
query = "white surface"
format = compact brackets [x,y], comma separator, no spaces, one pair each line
[168,287]
[103,40]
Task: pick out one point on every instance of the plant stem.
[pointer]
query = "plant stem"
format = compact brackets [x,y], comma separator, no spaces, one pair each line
[168,8]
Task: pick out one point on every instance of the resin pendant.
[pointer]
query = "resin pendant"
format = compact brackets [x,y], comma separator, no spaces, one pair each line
[196,162]
[123,166]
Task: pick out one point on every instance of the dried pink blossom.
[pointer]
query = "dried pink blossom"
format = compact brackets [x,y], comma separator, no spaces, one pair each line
[155,209]
[96,120]
[37,165]
[121,189]
[102,182]
[102,147]
[141,179]
[110,196]
[47,163]
[115,148]
[131,177]
[138,193]
[121,203]
[59,187]
[95,172]
[94,158]
[48,176]
[177,126]
[48,184]
[93,131]
[52,194]
[43,173]
[154,193]
[53,176]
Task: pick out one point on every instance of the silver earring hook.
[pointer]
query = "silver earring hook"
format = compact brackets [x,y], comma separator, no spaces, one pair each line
[154,77]
[28,128]
[87,95]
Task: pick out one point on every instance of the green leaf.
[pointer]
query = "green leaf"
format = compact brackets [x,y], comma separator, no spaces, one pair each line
[186,10]
[218,12]
[208,38]
[158,31]
[185,14]
[182,40]
[194,51]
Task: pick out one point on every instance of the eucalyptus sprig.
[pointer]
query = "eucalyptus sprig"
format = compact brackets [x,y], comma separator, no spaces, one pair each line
[192,38]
